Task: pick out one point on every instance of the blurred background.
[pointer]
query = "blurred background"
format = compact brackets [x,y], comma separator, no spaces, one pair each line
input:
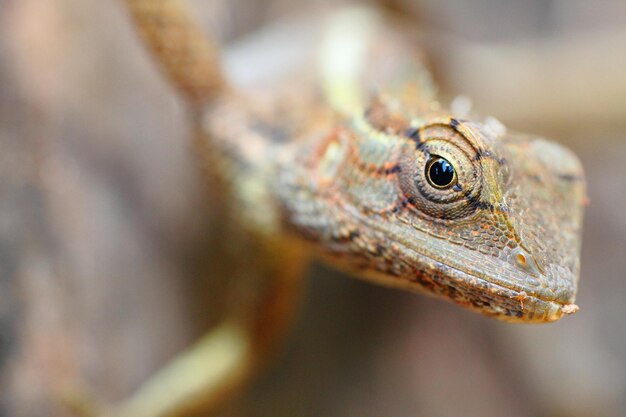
[105,221]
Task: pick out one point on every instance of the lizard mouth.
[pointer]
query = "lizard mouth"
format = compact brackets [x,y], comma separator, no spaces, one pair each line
[504,295]
[476,292]
[486,295]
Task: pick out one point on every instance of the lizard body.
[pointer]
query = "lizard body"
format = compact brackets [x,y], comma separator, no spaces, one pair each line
[351,179]
[359,165]
[359,192]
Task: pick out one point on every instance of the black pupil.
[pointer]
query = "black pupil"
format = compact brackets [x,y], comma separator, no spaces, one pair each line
[441,173]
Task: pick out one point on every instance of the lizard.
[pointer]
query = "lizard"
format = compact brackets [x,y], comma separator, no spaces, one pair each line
[377,178]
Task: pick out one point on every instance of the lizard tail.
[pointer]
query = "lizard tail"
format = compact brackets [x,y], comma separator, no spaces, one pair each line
[189,59]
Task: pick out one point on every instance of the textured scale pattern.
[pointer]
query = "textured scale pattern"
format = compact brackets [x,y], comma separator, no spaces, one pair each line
[359,164]
[341,165]
[503,241]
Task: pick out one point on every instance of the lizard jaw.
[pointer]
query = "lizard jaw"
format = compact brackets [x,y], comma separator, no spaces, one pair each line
[481,294]
[473,292]
[409,267]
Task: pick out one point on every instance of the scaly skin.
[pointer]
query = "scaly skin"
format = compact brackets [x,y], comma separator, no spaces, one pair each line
[338,166]
[343,167]
[504,241]
[346,173]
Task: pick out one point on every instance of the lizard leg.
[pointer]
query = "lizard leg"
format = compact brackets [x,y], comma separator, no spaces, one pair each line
[215,367]
[187,57]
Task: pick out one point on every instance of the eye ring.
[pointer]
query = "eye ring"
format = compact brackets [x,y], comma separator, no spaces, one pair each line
[440,173]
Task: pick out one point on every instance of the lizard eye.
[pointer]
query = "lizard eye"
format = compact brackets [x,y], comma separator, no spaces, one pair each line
[441,176]
[440,173]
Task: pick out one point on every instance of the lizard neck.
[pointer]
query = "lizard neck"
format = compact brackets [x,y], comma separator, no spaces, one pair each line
[246,144]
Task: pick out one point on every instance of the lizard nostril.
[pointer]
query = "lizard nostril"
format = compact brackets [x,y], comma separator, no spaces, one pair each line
[524,261]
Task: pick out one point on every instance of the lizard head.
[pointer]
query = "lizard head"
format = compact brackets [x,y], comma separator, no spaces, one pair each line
[463,210]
